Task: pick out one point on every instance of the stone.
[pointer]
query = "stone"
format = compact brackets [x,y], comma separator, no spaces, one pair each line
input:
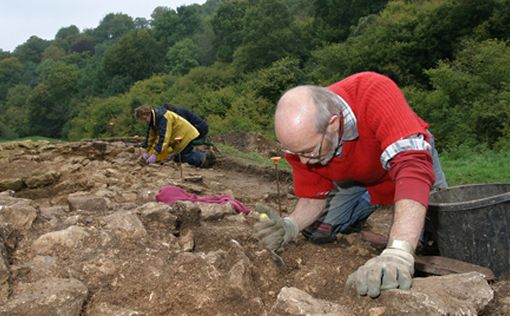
[53,211]
[126,224]
[211,211]
[293,301]
[5,286]
[186,241]
[454,294]
[70,238]
[42,180]
[86,202]
[41,267]
[21,215]
[52,296]
[157,216]
[16,184]
[239,280]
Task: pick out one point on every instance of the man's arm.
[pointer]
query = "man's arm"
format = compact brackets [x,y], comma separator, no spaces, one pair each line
[307,211]
[408,221]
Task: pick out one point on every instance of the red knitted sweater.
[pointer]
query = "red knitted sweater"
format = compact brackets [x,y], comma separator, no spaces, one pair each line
[383,117]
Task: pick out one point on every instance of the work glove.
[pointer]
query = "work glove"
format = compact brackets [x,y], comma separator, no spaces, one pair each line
[392,269]
[273,232]
[145,156]
[151,159]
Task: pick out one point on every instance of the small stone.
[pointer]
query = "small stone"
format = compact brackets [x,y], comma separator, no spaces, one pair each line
[50,296]
[292,301]
[69,238]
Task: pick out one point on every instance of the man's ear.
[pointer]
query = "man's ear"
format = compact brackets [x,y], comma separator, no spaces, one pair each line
[333,125]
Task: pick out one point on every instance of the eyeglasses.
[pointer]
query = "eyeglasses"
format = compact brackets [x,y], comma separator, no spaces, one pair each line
[317,154]
[308,155]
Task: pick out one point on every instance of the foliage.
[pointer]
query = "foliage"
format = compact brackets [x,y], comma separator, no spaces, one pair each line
[134,57]
[230,60]
[334,18]
[182,57]
[227,24]
[470,100]
[266,34]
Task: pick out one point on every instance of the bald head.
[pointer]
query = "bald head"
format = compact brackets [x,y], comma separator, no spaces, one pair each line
[295,113]
[302,113]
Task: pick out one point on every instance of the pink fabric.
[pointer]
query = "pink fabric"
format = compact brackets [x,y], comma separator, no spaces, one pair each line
[170,194]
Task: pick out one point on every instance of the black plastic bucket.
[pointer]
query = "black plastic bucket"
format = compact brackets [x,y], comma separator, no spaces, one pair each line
[472,224]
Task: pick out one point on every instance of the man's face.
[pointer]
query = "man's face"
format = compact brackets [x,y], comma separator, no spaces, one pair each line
[318,151]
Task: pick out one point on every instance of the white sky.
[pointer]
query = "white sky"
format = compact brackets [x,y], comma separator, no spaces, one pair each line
[20,19]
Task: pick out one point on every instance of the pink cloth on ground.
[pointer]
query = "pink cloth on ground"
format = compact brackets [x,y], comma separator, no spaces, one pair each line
[170,194]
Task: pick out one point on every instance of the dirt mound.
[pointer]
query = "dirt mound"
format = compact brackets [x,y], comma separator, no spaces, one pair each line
[250,142]
[81,224]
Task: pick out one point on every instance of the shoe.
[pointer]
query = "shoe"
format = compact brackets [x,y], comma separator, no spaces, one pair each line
[209,160]
[320,233]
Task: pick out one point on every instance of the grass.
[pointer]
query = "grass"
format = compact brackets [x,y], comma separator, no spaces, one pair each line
[465,165]
[252,157]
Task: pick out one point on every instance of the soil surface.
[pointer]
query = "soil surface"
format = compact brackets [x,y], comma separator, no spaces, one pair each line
[186,266]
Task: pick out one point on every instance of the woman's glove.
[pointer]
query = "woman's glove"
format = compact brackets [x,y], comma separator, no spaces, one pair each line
[145,156]
[393,268]
[273,232]
[151,159]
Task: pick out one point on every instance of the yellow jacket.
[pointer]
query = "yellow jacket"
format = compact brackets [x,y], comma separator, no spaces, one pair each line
[165,127]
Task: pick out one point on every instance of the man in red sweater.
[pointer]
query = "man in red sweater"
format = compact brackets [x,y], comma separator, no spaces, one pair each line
[354,145]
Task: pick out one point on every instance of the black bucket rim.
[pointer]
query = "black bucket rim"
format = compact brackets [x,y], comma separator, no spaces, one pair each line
[473,204]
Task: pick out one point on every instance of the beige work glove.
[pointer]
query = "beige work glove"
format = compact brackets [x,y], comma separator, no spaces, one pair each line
[273,232]
[393,268]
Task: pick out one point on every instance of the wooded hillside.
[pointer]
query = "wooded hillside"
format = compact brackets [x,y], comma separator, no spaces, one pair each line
[229,61]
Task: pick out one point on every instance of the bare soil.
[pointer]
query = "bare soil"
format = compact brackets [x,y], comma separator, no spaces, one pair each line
[152,275]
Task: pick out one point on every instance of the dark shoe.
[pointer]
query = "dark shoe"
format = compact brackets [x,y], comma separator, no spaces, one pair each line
[209,160]
[354,228]
[319,233]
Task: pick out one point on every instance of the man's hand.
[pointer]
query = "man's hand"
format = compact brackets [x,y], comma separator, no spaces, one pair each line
[145,156]
[393,268]
[151,159]
[273,232]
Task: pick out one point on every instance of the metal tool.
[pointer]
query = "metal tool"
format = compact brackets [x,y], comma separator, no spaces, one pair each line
[277,259]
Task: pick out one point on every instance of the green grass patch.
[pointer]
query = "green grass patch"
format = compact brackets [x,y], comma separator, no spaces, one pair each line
[467,166]
[252,157]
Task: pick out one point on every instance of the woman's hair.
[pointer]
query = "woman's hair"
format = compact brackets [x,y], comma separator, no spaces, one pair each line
[142,111]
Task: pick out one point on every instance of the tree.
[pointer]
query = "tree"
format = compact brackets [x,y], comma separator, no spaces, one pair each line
[113,26]
[67,32]
[182,57]
[49,102]
[10,74]
[470,100]
[53,52]
[271,82]
[267,35]
[171,26]
[136,56]
[15,112]
[31,50]
[334,18]
[141,23]
[227,24]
